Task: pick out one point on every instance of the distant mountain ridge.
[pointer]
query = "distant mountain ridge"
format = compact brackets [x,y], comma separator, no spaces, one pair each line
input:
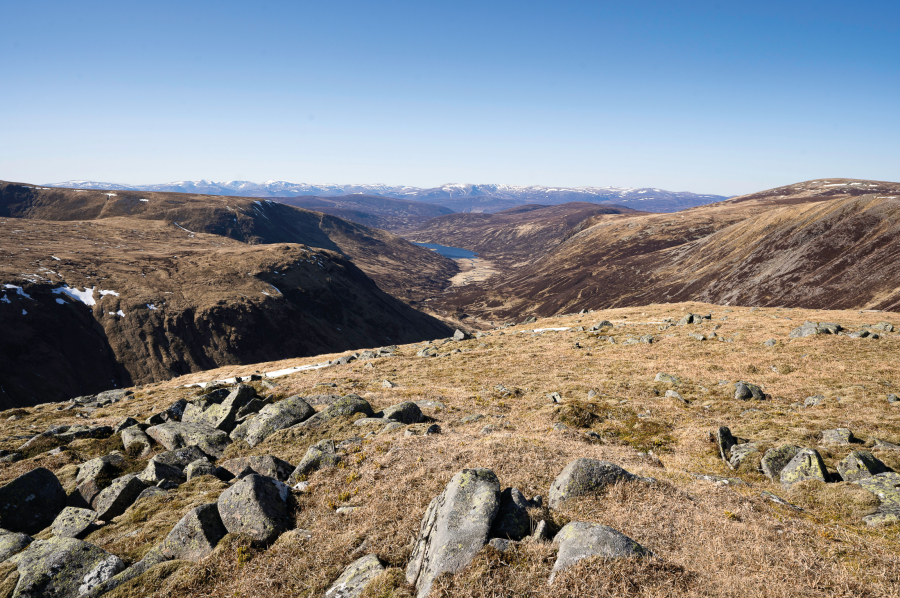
[486,198]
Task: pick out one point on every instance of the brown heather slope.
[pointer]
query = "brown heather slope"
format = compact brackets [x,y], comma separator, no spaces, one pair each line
[370,210]
[214,302]
[515,236]
[722,540]
[819,244]
[397,266]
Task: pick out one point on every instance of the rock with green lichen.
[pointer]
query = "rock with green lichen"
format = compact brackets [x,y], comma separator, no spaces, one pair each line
[455,527]
[220,415]
[806,465]
[405,413]
[776,459]
[579,540]
[858,465]
[73,522]
[320,455]
[353,580]
[62,568]
[257,506]
[886,486]
[585,476]
[176,435]
[346,405]
[272,418]
[31,502]
[194,536]
[12,543]
[118,496]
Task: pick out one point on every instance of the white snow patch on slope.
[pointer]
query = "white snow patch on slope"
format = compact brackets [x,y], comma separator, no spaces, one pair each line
[109,293]
[86,296]
[19,290]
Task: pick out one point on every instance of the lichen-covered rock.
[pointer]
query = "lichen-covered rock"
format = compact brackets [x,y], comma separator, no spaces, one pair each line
[31,502]
[838,436]
[198,468]
[405,413]
[12,543]
[118,496]
[353,580]
[73,522]
[668,378]
[455,527]
[741,452]
[124,424]
[776,459]
[156,472]
[272,418]
[585,476]
[176,435]
[256,505]
[220,415]
[512,521]
[62,568]
[346,405]
[135,437]
[195,535]
[858,465]
[886,486]
[322,454]
[181,457]
[579,540]
[266,465]
[807,464]
[725,440]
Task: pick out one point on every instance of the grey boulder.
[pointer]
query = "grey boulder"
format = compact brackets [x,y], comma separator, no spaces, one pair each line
[347,405]
[12,543]
[181,457]
[775,459]
[322,454]
[266,465]
[806,465]
[579,540]
[257,506]
[194,536]
[512,521]
[118,496]
[220,415]
[135,437]
[31,502]
[62,568]
[353,580]
[585,476]
[73,522]
[405,413]
[176,435]
[858,465]
[272,418]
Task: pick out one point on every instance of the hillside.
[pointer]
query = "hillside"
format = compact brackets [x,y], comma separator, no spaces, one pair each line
[90,305]
[816,244]
[552,461]
[371,210]
[397,266]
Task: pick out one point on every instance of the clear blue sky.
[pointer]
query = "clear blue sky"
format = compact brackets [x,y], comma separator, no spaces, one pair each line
[719,97]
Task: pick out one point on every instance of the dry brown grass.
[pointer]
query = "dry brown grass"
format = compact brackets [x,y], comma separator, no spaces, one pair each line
[708,540]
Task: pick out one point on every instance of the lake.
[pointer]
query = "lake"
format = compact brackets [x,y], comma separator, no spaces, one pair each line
[454,253]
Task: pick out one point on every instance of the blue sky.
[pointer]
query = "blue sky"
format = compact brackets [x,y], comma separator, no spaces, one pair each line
[715,97]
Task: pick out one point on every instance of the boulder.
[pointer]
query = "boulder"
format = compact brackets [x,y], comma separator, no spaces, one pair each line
[663,377]
[135,437]
[176,435]
[601,325]
[838,436]
[512,521]
[405,413]
[814,328]
[346,405]
[257,506]
[194,536]
[181,457]
[125,423]
[156,472]
[115,499]
[585,476]
[266,465]
[459,335]
[198,468]
[776,459]
[579,540]
[814,401]
[322,454]
[455,527]
[72,522]
[31,502]
[151,491]
[221,415]
[740,452]
[62,568]
[885,486]
[353,580]
[858,465]
[12,544]
[744,391]
[807,464]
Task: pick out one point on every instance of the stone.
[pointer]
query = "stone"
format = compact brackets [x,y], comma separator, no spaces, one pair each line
[256,505]
[347,405]
[807,464]
[697,336]
[725,441]
[886,487]
[883,445]
[892,398]
[194,536]
[471,418]
[814,400]
[155,472]
[740,452]
[405,413]
[775,459]
[198,468]
[555,397]
[858,465]
[222,415]
[62,568]
[459,335]
[353,580]
[274,417]
[73,522]
[585,476]
[322,454]
[181,457]
[813,328]
[838,436]
[31,502]
[135,437]
[541,532]
[771,342]
[114,396]
[251,408]
[663,377]
[151,491]
[125,423]
[512,521]
[455,527]
[674,394]
[422,430]
[387,384]
[580,540]
[266,465]
[884,326]
[176,435]
[601,325]
[12,544]
[744,391]
[117,497]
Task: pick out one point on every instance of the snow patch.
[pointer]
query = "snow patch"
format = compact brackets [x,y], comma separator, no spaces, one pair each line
[151,306]
[86,296]
[109,293]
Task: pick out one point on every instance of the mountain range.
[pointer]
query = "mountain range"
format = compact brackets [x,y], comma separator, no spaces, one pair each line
[486,198]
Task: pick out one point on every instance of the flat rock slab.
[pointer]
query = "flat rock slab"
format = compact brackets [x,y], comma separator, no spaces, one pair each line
[63,568]
[73,522]
[353,580]
[579,540]
[585,476]
[176,435]
[257,506]
[455,527]
[31,502]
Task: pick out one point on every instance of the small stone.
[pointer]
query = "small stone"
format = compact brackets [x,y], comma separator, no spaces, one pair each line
[387,384]
[813,401]
[674,394]
[838,436]
[744,391]
[663,377]
[355,577]
[555,397]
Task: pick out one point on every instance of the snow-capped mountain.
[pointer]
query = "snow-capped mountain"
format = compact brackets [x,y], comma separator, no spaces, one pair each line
[455,196]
